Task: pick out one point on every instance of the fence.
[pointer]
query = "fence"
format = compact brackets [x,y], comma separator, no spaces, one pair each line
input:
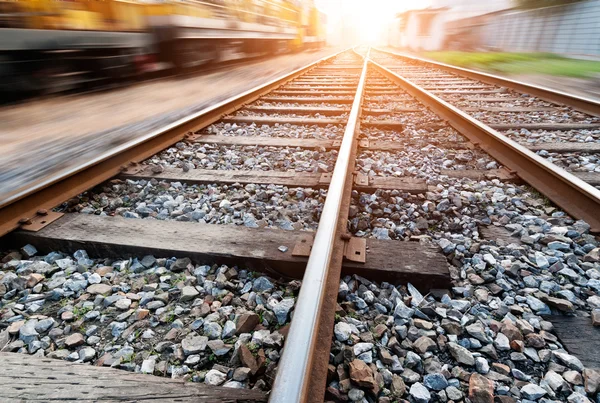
[570,29]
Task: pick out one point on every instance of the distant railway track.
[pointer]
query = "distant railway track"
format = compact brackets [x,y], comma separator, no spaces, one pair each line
[316,176]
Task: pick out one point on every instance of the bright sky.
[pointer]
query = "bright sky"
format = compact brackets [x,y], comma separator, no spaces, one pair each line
[367,18]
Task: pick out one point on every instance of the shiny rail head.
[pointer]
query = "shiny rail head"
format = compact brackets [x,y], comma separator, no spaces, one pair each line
[294,372]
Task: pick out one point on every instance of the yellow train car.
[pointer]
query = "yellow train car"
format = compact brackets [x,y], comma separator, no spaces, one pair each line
[65,41]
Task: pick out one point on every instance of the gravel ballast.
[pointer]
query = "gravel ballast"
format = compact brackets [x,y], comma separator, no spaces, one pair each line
[220,325]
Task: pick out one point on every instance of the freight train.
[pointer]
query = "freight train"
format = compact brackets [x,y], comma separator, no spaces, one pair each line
[52,45]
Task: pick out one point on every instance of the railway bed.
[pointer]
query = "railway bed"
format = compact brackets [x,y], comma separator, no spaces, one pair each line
[339,234]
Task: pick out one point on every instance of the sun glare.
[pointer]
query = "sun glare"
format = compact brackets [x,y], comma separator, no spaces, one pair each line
[364,21]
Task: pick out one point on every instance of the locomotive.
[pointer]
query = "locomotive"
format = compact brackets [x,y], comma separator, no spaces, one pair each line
[53,45]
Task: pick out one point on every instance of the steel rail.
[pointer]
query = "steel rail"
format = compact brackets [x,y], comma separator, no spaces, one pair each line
[295,368]
[50,192]
[576,197]
[582,104]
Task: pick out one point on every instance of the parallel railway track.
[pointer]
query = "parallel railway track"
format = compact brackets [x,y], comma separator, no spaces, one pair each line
[560,127]
[319,176]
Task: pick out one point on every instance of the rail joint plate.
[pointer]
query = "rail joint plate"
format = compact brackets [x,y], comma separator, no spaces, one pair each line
[303,246]
[361,180]
[40,221]
[355,250]
[325,178]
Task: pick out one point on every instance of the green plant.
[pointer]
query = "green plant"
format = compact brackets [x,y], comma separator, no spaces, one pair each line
[253,348]
[519,63]
[128,358]
[80,311]
[178,278]
[531,4]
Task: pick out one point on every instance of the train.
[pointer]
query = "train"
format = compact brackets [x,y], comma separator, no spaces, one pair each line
[52,45]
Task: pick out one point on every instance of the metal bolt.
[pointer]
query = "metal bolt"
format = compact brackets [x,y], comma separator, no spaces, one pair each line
[42,212]
[25,221]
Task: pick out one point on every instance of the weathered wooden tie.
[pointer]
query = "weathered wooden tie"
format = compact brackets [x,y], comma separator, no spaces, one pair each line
[260,141]
[579,337]
[545,126]
[570,147]
[253,248]
[29,378]
[260,120]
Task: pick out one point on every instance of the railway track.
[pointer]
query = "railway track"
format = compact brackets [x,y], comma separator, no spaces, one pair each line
[560,128]
[428,267]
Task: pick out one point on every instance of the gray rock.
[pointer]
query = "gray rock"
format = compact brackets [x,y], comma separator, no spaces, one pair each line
[502,342]
[342,331]
[520,375]
[27,332]
[532,391]
[454,393]
[577,397]
[229,330]
[29,251]
[148,261]
[87,354]
[282,309]
[181,264]
[360,348]
[154,305]
[188,293]
[568,360]
[194,344]
[218,347]
[477,330]
[555,381]
[214,377]
[419,393]
[356,395]
[148,365]
[44,325]
[123,304]
[461,354]
[212,330]
[536,305]
[435,381]
[94,278]
[233,385]
[262,284]
[241,374]
[481,365]
[402,311]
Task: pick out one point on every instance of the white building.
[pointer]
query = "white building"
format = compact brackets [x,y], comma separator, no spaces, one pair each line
[428,29]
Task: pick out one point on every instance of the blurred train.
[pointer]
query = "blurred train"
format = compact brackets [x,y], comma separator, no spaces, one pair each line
[52,45]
